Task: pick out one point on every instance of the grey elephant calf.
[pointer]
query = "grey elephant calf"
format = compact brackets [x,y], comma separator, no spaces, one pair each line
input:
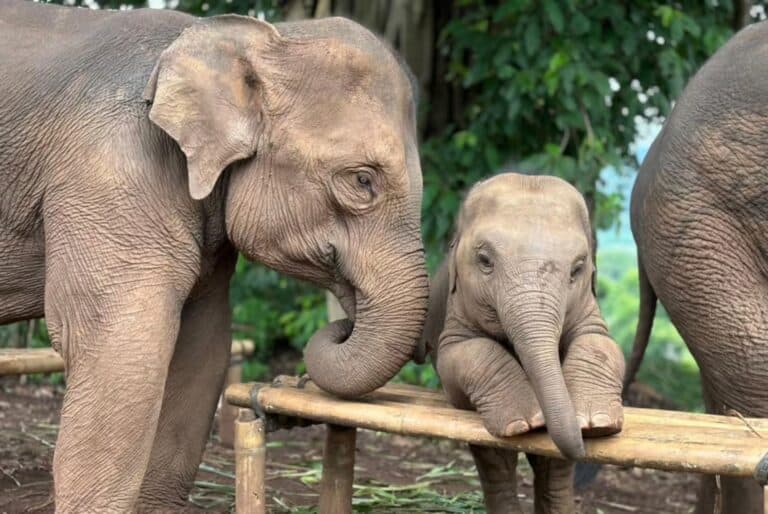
[515,332]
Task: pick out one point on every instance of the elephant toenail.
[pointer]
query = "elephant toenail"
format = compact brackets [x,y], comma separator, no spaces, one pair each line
[537,420]
[601,420]
[516,427]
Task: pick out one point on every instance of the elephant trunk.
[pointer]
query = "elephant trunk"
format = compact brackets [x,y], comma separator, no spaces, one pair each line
[350,359]
[533,324]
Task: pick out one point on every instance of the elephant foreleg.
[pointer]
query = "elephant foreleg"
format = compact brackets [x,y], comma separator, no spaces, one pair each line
[497,469]
[479,373]
[116,370]
[552,485]
[594,371]
[192,391]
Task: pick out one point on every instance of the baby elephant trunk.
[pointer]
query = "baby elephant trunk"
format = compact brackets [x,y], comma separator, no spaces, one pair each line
[533,323]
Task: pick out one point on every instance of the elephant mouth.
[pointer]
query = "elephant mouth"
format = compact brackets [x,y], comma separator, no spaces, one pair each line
[345,292]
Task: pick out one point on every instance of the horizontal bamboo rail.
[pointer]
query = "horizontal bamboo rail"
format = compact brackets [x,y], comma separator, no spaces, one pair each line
[23,361]
[666,440]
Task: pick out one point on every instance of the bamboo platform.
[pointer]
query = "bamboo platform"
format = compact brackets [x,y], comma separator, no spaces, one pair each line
[658,439]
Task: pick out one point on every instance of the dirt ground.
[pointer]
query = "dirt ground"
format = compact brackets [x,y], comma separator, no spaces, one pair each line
[393,473]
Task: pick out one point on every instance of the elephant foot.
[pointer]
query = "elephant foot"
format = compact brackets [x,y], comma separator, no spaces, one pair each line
[593,370]
[480,374]
[599,417]
[514,413]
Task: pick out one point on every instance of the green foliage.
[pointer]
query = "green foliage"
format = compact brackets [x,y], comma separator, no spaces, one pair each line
[667,366]
[419,374]
[555,87]
[273,310]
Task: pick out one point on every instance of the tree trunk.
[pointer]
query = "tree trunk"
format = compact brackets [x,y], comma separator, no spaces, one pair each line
[741,16]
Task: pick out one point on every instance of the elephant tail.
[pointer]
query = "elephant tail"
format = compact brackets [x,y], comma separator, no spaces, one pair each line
[644,325]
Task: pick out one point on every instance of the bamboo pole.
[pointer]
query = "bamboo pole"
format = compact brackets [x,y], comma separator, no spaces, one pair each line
[765,498]
[338,470]
[395,393]
[23,361]
[666,440]
[228,412]
[404,393]
[250,464]
[15,361]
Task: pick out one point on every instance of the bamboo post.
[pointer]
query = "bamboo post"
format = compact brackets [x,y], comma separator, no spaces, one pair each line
[765,498]
[250,464]
[338,470]
[228,412]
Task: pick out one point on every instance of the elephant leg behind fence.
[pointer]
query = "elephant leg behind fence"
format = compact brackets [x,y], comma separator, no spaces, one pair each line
[553,485]
[498,476]
[192,389]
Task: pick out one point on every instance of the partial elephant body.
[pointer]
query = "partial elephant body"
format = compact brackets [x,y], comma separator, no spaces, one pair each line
[139,152]
[700,218]
[515,331]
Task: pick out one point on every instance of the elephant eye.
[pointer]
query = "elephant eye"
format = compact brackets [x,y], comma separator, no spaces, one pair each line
[355,188]
[576,270]
[364,180]
[485,262]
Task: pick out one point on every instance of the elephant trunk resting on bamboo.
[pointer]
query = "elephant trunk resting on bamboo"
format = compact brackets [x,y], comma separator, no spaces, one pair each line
[515,331]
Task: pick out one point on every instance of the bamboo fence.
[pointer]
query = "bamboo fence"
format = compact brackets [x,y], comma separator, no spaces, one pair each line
[665,440]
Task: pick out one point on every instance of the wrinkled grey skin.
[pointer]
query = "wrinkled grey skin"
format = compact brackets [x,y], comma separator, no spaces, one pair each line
[700,218]
[515,331]
[139,152]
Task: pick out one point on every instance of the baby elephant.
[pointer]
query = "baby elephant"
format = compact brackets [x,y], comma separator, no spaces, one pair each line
[515,331]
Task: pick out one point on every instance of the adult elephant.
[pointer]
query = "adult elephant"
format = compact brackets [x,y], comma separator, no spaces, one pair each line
[139,152]
[700,218]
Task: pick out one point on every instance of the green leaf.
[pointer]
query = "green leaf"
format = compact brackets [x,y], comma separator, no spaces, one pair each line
[508,10]
[579,24]
[555,15]
[492,159]
[532,38]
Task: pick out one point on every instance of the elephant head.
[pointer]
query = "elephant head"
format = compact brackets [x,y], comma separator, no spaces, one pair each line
[307,132]
[520,272]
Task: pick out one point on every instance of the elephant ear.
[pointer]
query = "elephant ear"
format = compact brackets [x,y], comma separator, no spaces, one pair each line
[207,94]
[452,266]
[436,311]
